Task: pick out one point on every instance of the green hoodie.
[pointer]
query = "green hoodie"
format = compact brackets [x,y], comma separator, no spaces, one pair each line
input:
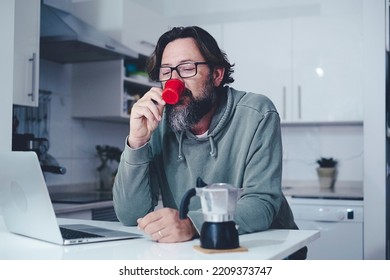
[243,148]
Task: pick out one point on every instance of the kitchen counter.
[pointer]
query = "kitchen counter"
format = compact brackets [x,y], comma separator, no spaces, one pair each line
[270,244]
[312,192]
[346,191]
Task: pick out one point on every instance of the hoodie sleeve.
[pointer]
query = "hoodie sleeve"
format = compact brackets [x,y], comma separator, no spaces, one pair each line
[133,195]
[262,196]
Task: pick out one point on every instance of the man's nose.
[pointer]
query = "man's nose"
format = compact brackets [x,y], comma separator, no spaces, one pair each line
[175,74]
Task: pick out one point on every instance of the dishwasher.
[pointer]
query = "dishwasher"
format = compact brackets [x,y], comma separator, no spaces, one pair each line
[340,223]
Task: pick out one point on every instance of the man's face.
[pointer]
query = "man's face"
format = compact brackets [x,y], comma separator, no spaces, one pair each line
[199,96]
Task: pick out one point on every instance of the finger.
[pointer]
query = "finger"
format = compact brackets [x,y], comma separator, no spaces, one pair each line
[148,220]
[155,95]
[146,108]
[160,236]
[154,229]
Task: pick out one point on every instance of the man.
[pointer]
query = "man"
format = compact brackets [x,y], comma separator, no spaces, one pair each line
[215,132]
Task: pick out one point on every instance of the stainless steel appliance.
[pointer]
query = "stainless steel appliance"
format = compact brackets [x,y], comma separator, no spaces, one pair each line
[67,39]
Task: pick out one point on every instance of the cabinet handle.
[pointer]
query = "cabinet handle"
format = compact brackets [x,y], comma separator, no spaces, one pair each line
[33,78]
[299,102]
[387,170]
[388,124]
[284,103]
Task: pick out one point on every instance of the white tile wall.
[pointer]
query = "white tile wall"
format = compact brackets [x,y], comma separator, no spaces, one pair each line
[302,145]
[73,141]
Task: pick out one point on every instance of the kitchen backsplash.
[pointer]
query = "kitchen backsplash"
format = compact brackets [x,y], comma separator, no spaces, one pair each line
[303,145]
[73,141]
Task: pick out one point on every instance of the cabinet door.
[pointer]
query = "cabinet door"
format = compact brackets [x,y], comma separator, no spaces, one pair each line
[26,57]
[327,64]
[261,51]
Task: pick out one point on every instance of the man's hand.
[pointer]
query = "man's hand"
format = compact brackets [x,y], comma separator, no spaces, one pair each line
[164,225]
[145,117]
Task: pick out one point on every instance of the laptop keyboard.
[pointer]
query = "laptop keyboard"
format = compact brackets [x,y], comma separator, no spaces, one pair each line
[76,234]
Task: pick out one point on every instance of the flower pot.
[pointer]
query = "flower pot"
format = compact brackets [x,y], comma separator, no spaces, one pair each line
[327,177]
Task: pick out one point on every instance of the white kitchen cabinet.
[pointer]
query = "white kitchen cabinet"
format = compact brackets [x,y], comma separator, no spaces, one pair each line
[327,63]
[309,65]
[26,52]
[261,52]
[101,90]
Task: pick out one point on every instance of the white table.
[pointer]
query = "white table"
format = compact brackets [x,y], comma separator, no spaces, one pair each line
[270,244]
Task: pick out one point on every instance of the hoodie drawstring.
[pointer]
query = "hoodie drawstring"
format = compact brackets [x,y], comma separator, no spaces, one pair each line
[213,148]
[180,155]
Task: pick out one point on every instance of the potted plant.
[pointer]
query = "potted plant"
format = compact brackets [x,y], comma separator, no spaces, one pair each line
[107,154]
[327,172]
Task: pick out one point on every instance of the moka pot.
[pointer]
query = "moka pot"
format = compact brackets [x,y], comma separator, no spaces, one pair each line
[218,203]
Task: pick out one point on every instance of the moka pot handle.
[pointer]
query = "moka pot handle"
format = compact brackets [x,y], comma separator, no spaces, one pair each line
[185,201]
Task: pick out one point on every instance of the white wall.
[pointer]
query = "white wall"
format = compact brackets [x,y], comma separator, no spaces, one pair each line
[303,145]
[374,130]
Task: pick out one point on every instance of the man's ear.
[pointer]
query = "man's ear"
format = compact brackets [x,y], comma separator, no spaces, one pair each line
[218,75]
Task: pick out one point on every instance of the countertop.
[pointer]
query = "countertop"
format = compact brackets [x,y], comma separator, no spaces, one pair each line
[270,244]
[346,193]
[306,189]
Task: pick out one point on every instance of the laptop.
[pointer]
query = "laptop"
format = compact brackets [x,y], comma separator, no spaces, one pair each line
[27,209]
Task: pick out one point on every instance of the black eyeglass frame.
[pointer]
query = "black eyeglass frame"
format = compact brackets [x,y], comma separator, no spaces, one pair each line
[178,72]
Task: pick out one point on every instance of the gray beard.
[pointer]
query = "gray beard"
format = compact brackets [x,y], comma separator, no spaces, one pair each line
[184,118]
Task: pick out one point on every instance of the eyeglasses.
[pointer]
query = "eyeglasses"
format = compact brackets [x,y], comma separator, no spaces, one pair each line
[185,70]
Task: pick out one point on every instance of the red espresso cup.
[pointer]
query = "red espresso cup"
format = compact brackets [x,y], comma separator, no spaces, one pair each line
[173,90]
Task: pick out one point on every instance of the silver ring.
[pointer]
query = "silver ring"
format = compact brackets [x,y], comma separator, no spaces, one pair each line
[159,233]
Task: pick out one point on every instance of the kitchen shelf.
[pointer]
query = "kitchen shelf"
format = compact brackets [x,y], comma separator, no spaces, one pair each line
[102,91]
[136,81]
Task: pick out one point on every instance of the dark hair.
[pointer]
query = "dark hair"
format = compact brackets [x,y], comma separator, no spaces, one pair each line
[206,44]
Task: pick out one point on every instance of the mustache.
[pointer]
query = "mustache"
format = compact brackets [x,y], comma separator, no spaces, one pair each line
[186,93]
